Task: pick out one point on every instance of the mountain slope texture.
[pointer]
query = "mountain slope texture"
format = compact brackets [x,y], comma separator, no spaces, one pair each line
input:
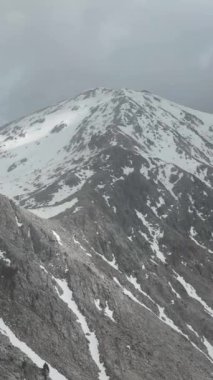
[106,240]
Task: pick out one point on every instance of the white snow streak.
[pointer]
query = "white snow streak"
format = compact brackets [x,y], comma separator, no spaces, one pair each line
[162,317]
[57,238]
[191,328]
[192,236]
[167,320]
[155,234]
[174,291]
[193,294]
[67,297]
[98,304]
[130,295]
[5,330]
[137,286]
[209,347]
[81,246]
[18,223]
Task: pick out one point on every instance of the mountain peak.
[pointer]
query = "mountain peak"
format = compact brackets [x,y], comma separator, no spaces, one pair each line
[40,151]
[122,269]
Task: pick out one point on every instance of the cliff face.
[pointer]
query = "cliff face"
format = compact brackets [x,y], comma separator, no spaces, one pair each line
[115,283]
[65,303]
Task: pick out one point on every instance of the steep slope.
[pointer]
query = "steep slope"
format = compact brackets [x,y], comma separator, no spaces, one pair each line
[61,306]
[127,178]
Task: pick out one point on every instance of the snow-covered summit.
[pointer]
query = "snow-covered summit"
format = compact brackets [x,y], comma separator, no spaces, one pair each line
[48,156]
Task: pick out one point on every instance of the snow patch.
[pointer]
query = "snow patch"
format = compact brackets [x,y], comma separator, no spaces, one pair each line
[106,310]
[127,170]
[4,258]
[57,238]
[18,223]
[98,304]
[50,212]
[109,313]
[106,198]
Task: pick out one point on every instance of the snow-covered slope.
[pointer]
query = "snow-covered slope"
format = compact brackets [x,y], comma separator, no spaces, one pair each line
[49,156]
[127,178]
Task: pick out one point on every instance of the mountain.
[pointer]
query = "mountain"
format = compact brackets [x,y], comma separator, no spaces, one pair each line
[107,267]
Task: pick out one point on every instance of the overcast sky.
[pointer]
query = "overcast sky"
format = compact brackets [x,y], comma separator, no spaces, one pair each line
[53,49]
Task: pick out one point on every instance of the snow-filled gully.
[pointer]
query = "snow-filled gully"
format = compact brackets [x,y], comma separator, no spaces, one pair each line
[36,359]
[193,294]
[67,297]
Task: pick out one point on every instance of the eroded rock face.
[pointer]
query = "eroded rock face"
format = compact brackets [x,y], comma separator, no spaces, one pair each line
[132,340]
[129,197]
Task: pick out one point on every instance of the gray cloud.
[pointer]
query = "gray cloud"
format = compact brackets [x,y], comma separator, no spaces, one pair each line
[53,49]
